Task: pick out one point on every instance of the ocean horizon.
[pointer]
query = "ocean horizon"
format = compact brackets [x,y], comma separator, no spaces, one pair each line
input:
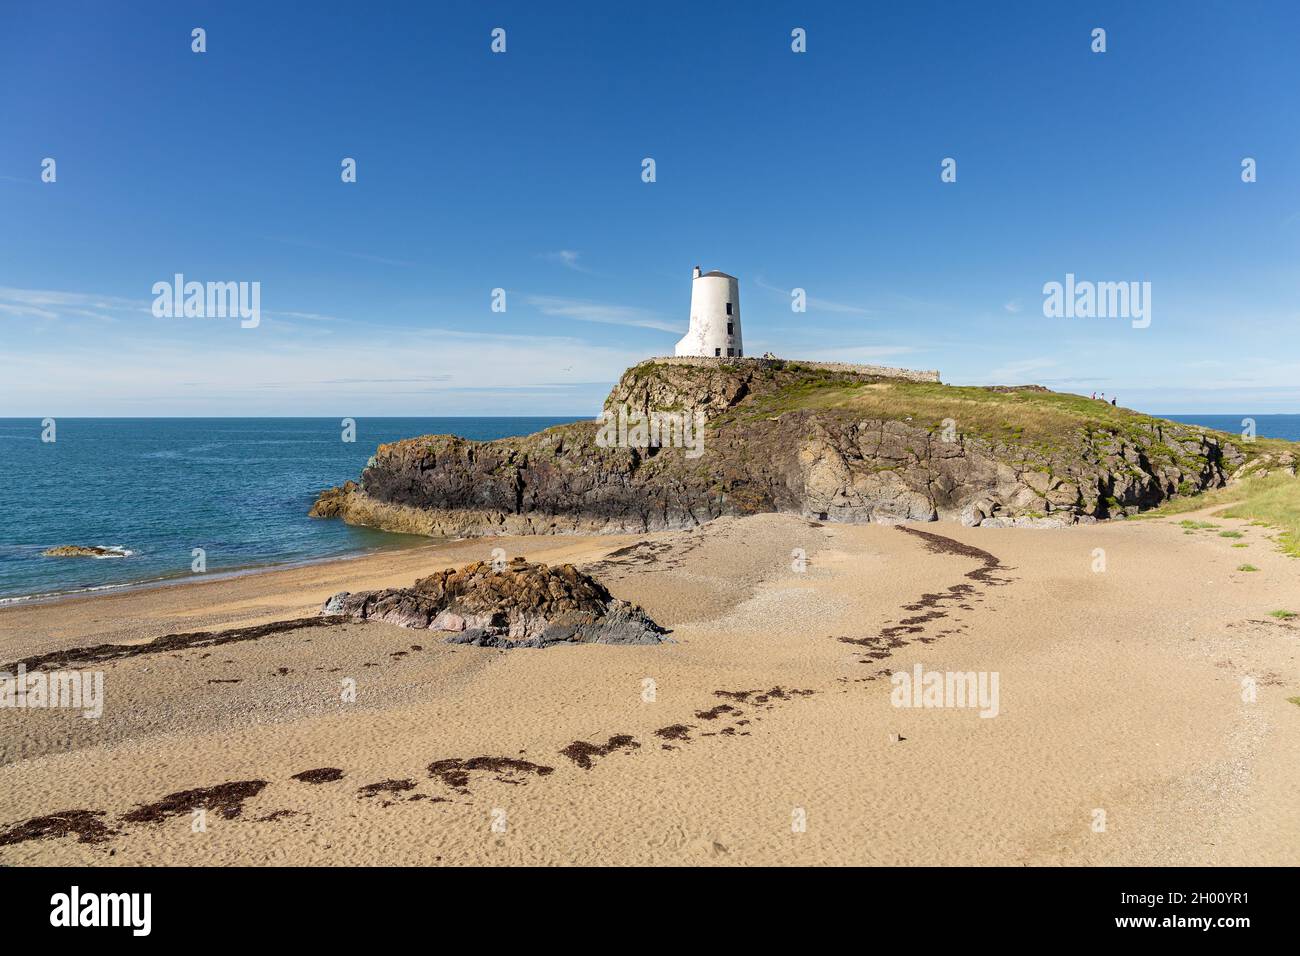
[155,489]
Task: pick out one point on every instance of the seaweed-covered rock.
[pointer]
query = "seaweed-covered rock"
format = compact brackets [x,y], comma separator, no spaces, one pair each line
[84,551]
[515,605]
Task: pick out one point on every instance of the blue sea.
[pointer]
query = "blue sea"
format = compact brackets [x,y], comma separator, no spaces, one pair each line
[1266,426]
[158,488]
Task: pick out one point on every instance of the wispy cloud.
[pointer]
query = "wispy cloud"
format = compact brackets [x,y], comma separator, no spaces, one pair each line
[199,367]
[604,313]
[867,354]
[49,304]
[567,258]
[305,316]
[1013,372]
[815,304]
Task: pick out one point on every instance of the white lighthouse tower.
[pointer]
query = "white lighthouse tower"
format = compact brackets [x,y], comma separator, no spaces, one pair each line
[715,317]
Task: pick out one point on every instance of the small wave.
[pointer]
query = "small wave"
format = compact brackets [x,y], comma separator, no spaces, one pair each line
[44,595]
[118,552]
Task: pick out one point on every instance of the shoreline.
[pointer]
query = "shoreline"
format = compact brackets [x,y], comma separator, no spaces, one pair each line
[180,579]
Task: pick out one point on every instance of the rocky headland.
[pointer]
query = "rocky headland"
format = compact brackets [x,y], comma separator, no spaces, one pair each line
[826,442]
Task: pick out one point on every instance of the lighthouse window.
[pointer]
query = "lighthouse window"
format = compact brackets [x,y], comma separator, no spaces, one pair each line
[730,327]
[728,308]
[717,352]
[731,353]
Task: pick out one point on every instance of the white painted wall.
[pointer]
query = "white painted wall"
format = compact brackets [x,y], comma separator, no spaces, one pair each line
[707,335]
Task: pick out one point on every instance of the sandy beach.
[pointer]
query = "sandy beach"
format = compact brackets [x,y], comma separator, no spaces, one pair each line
[763,734]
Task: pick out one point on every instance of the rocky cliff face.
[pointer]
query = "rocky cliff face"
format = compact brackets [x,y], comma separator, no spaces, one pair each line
[782,437]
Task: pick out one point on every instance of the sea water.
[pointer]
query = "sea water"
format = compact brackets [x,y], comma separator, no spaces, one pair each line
[238,488]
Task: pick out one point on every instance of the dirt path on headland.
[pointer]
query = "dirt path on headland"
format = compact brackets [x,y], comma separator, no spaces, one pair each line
[765,734]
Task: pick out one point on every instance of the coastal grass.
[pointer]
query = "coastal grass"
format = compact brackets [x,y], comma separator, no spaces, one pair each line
[1030,416]
[1272,501]
[1247,567]
[1283,615]
[1046,420]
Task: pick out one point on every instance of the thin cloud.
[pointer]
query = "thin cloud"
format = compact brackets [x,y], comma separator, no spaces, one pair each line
[866,354]
[815,304]
[51,304]
[567,258]
[1017,370]
[603,313]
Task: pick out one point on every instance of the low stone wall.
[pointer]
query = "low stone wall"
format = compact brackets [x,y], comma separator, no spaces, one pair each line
[883,371]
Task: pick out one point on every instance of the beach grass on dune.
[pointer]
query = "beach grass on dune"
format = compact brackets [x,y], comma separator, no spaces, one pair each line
[1272,501]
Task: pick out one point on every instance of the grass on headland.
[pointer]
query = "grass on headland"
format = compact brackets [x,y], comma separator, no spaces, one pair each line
[1283,615]
[1247,567]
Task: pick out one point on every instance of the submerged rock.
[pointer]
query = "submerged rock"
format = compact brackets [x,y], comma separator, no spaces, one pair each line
[84,551]
[516,605]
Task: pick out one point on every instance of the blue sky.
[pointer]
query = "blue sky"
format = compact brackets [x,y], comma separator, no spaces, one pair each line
[523,171]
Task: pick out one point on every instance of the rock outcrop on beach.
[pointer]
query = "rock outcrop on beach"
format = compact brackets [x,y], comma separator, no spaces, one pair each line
[507,605]
[777,436]
[83,551]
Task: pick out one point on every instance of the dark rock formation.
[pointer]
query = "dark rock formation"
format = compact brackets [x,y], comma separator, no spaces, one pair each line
[516,605]
[83,551]
[783,437]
